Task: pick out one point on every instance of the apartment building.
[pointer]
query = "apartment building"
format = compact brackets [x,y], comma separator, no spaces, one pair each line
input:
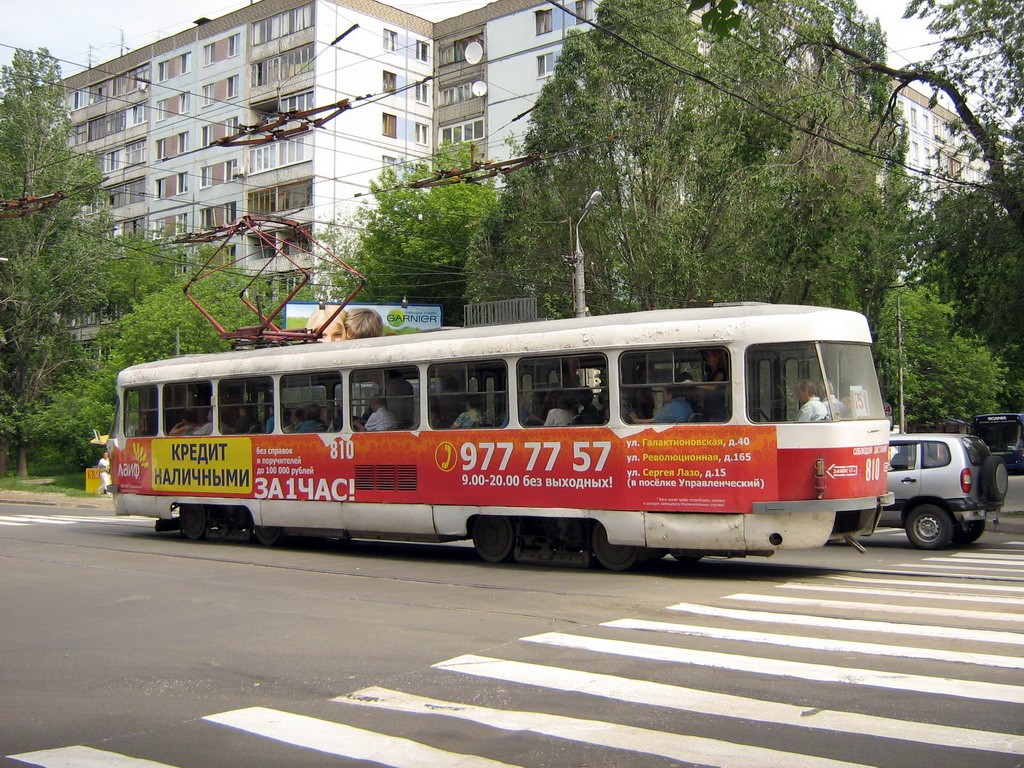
[154,116]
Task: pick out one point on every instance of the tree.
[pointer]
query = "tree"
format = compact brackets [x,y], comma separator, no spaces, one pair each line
[53,256]
[414,242]
[735,169]
[948,372]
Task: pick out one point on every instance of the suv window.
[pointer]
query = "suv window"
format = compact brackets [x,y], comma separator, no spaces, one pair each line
[977,451]
[934,454]
[904,457]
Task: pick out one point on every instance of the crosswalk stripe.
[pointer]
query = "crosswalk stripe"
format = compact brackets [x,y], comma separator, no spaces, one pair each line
[948,571]
[690,749]
[13,525]
[918,594]
[966,689]
[821,644]
[84,757]
[990,555]
[859,625]
[729,705]
[859,607]
[347,741]
[976,560]
[951,585]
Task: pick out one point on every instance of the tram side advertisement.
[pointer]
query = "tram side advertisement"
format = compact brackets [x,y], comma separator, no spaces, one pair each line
[706,469]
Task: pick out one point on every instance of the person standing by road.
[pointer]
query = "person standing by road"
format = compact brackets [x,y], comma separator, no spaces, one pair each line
[103,465]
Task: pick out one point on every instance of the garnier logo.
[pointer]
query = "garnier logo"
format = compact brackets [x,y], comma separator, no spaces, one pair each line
[396,318]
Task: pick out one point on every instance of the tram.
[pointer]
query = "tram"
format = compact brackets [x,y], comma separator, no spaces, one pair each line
[729,430]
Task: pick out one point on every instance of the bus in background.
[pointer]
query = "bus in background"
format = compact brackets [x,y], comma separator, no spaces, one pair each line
[729,430]
[1002,433]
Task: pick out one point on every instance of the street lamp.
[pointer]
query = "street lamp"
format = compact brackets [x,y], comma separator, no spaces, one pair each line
[579,286]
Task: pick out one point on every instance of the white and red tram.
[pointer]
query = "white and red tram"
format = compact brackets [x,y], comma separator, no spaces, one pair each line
[552,441]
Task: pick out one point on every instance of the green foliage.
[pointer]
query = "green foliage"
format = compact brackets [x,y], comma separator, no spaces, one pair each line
[414,242]
[948,372]
[54,256]
[762,184]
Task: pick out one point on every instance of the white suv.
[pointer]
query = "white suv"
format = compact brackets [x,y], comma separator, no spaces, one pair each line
[946,487]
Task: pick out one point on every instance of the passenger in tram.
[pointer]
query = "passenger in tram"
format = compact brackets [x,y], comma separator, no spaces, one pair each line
[471,417]
[589,412]
[401,399]
[531,417]
[206,416]
[380,419]
[675,408]
[716,373]
[557,407]
[310,420]
[637,405]
[811,407]
[185,426]
[235,420]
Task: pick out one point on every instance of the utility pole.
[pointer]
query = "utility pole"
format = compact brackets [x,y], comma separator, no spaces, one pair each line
[579,284]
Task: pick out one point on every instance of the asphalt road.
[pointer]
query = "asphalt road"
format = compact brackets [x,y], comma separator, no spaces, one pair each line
[133,649]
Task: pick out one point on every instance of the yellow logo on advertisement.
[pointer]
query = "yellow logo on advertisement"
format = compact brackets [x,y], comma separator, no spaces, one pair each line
[445,456]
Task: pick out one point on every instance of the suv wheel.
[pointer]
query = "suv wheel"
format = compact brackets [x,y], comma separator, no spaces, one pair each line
[929,527]
[994,480]
[970,532]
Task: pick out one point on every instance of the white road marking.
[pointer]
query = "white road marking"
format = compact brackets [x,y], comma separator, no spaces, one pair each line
[965,689]
[993,599]
[689,749]
[859,625]
[821,644]
[953,585]
[858,607]
[54,520]
[346,741]
[84,757]
[729,705]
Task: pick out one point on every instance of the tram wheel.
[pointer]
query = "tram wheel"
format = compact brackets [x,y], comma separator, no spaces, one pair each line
[614,557]
[193,522]
[267,535]
[494,538]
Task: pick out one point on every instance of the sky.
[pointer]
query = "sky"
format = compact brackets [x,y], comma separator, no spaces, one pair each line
[80,31]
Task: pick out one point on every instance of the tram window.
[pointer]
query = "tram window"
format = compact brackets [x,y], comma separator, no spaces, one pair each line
[140,412]
[393,392]
[848,391]
[244,405]
[185,406]
[701,373]
[563,391]
[310,402]
[468,395]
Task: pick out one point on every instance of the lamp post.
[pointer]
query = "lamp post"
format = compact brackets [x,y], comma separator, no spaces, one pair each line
[579,285]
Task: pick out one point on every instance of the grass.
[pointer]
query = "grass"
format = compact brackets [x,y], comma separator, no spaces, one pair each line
[67,483]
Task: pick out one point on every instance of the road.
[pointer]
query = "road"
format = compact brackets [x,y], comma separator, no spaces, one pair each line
[124,648]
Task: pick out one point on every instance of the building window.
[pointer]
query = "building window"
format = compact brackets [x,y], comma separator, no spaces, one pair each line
[389,125]
[177,65]
[471,131]
[206,176]
[389,162]
[542,22]
[128,193]
[112,161]
[286,198]
[390,82]
[107,125]
[422,134]
[390,40]
[208,94]
[136,115]
[283,67]
[545,65]
[584,10]
[422,51]
[457,94]
[79,134]
[135,153]
[182,182]
[283,24]
[277,154]
[233,83]
[423,93]
[298,102]
[457,52]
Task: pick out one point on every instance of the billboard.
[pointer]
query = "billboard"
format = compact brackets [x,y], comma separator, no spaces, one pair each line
[395,318]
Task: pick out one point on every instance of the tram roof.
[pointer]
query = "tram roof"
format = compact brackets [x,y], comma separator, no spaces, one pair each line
[763,323]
